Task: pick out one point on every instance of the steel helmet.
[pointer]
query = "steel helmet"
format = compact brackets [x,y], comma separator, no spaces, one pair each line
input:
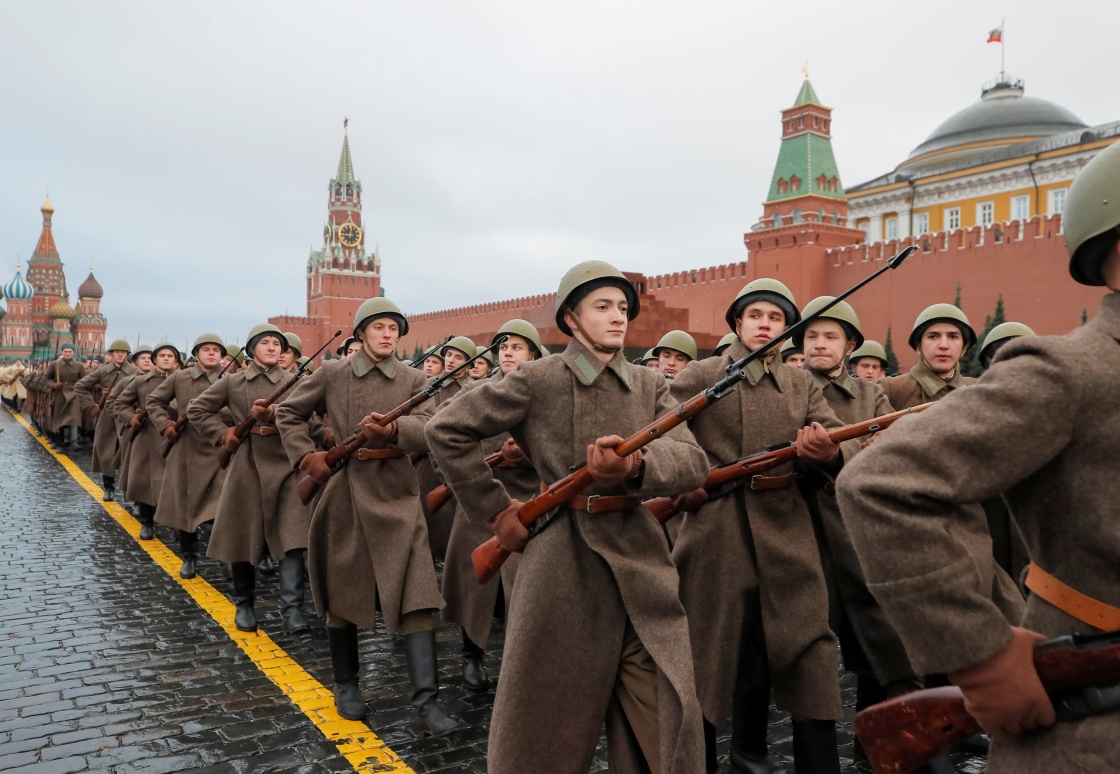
[998,335]
[208,338]
[648,356]
[379,307]
[462,344]
[259,332]
[841,313]
[946,313]
[309,367]
[869,348]
[484,353]
[764,289]
[789,348]
[525,330]
[584,277]
[345,345]
[295,343]
[168,345]
[1091,215]
[141,349]
[119,345]
[727,340]
[680,341]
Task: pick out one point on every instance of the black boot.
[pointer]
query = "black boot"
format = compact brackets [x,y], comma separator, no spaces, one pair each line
[750,719]
[267,566]
[474,673]
[291,594]
[431,720]
[344,661]
[814,746]
[187,545]
[146,519]
[244,587]
[108,482]
[711,761]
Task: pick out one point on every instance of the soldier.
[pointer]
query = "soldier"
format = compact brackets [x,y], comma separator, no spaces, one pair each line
[62,375]
[93,392]
[727,340]
[470,604]
[368,542]
[596,627]
[675,351]
[751,575]
[290,357]
[941,335]
[233,352]
[146,465]
[432,365]
[649,360]
[792,355]
[141,358]
[1040,427]
[998,336]
[482,364]
[869,361]
[259,511]
[192,481]
[305,361]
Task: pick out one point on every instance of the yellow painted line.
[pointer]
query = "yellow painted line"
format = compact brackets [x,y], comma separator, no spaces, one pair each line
[355,741]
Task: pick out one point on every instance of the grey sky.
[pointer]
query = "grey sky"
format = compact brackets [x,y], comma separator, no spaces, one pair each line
[187,147]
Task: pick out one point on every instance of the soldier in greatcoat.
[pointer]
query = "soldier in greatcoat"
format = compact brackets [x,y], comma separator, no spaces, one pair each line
[145,463]
[93,393]
[1042,426]
[193,479]
[259,511]
[290,357]
[62,375]
[141,358]
[869,361]
[674,352]
[368,543]
[596,628]
[751,574]
[941,336]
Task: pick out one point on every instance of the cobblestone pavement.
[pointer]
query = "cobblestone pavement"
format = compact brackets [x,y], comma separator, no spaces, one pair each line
[107,664]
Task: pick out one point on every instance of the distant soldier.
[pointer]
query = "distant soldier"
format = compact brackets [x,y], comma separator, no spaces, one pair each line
[675,350]
[941,335]
[482,364]
[432,365]
[233,352]
[289,358]
[869,361]
[792,355]
[1040,427]
[62,375]
[727,340]
[142,359]
[93,393]
[649,360]
[998,336]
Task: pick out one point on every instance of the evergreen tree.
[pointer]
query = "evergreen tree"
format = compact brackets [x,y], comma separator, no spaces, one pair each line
[970,363]
[957,297]
[1084,315]
[892,359]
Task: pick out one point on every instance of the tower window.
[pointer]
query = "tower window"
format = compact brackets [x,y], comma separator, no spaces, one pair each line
[796,216]
[822,183]
[986,213]
[794,183]
[801,122]
[338,190]
[349,190]
[782,185]
[777,219]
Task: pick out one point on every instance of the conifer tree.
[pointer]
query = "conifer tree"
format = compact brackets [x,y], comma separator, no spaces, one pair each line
[892,359]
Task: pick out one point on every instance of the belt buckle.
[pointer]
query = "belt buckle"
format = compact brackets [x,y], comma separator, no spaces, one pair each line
[755,479]
[590,499]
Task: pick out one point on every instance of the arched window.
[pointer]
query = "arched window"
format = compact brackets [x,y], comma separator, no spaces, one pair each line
[777,219]
[349,190]
[796,215]
[822,183]
[794,183]
[338,190]
[836,217]
[782,185]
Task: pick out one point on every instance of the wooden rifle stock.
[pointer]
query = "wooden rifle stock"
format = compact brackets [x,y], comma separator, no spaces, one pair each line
[907,732]
[663,509]
[441,495]
[137,430]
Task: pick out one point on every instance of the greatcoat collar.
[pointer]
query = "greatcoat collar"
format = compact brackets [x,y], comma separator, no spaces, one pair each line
[361,364]
[587,367]
[757,369]
[930,383]
[843,382]
[273,373]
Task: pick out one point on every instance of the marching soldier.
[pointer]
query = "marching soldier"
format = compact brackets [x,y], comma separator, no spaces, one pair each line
[142,360]
[596,627]
[62,375]
[93,393]
[675,351]
[432,365]
[482,364]
[727,340]
[998,336]
[649,360]
[792,355]
[368,543]
[1040,427]
[941,335]
[290,357]
[869,361]
[233,352]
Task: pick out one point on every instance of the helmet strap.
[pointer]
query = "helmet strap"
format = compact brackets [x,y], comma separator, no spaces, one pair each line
[594,344]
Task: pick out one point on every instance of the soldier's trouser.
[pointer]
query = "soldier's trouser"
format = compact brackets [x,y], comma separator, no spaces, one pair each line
[635,688]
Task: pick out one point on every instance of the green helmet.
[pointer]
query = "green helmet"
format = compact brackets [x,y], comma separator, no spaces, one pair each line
[294,343]
[584,277]
[379,307]
[1091,215]
[648,356]
[141,349]
[998,335]
[259,332]
[764,289]
[680,341]
[208,338]
[727,340]
[119,345]
[544,351]
[306,362]
[946,313]
[345,345]
[484,353]
[168,345]
[525,330]
[462,344]
[235,351]
[841,313]
[406,361]
[789,348]
[869,348]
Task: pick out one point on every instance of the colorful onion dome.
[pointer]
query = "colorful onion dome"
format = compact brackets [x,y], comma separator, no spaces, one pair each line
[47,206]
[91,288]
[63,310]
[18,289]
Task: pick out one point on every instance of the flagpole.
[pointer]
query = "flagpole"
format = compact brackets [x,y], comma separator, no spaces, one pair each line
[1002,50]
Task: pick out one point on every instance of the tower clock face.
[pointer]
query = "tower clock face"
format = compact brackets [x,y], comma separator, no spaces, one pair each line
[349,234]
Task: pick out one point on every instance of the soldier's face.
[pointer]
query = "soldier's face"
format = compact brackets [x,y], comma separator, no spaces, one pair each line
[670,362]
[225,361]
[513,351]
[143,363]
[453,358]
[166,360]
[208,356]
[602,315]
[353,347]
[67,353]
[760,322]
[869,368]
[433,366]
[267,351]
[117,356]
[654,365]
[480,368]
[796,360]
[380,337]
[942,346]
[287,359]
[826,345]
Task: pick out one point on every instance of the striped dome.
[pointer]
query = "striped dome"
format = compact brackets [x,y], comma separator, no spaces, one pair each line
[18,289]
[91,288]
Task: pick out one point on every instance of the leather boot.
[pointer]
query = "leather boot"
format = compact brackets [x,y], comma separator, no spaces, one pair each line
[420,653]
[109,482]
[291,594]
[146,519]
[344,661]
[750,720]
[267,566]
[244,588]
[187,549]
[711,761]
[474,673]
[814,746]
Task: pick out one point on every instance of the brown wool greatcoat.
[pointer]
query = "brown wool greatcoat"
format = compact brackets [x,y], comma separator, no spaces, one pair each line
[751,559]
[1043,427]
[259,511]
[439,523]
[65,411]
[106,438]
[368,544]
[921,385]
[145,464]
[581,579]
[193,480]
[124,440]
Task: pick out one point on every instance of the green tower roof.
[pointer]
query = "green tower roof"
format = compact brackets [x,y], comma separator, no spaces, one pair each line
[345,165]
[806,165]
[806,95]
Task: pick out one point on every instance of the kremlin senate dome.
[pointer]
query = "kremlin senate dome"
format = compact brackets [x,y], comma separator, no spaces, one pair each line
[91,288]
[63,310]
[18,289]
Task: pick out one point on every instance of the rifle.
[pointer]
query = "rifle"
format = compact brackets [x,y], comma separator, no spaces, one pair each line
[536,514]
[136,430]
[727,478]
[341,453]
[904,733]
[181,422]
[245,425]
[441,495]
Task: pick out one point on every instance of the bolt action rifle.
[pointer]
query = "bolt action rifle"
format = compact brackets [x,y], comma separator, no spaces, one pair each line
[341,453]
[536,514]
[243,427]
[727,478]
[182,422]
[441,495]
[907,732]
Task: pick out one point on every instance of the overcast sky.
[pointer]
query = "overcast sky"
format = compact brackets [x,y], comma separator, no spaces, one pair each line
[187,147]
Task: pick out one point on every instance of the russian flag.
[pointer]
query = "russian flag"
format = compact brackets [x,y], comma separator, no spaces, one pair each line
[996,35]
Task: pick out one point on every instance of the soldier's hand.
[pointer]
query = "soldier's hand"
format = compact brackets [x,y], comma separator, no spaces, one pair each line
[230,439]
[135,421]
[1004,693]
[262,413]
[94,411]
[869,441]
[606,467]
[314,464]
[512,456]
[814,445]
[170,433]
[373,430]
[511,533]
[691,502]
[329,441]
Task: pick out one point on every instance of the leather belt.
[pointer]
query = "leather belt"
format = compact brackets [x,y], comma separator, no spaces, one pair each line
[766,483]
[1071,601]
[264,430]
[379,454]
[602,503]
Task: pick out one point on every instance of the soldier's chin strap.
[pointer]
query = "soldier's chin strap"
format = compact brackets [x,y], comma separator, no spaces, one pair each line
[594,344]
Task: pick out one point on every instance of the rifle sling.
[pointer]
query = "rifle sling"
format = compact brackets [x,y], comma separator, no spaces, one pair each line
[378,454]
[1071,601]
